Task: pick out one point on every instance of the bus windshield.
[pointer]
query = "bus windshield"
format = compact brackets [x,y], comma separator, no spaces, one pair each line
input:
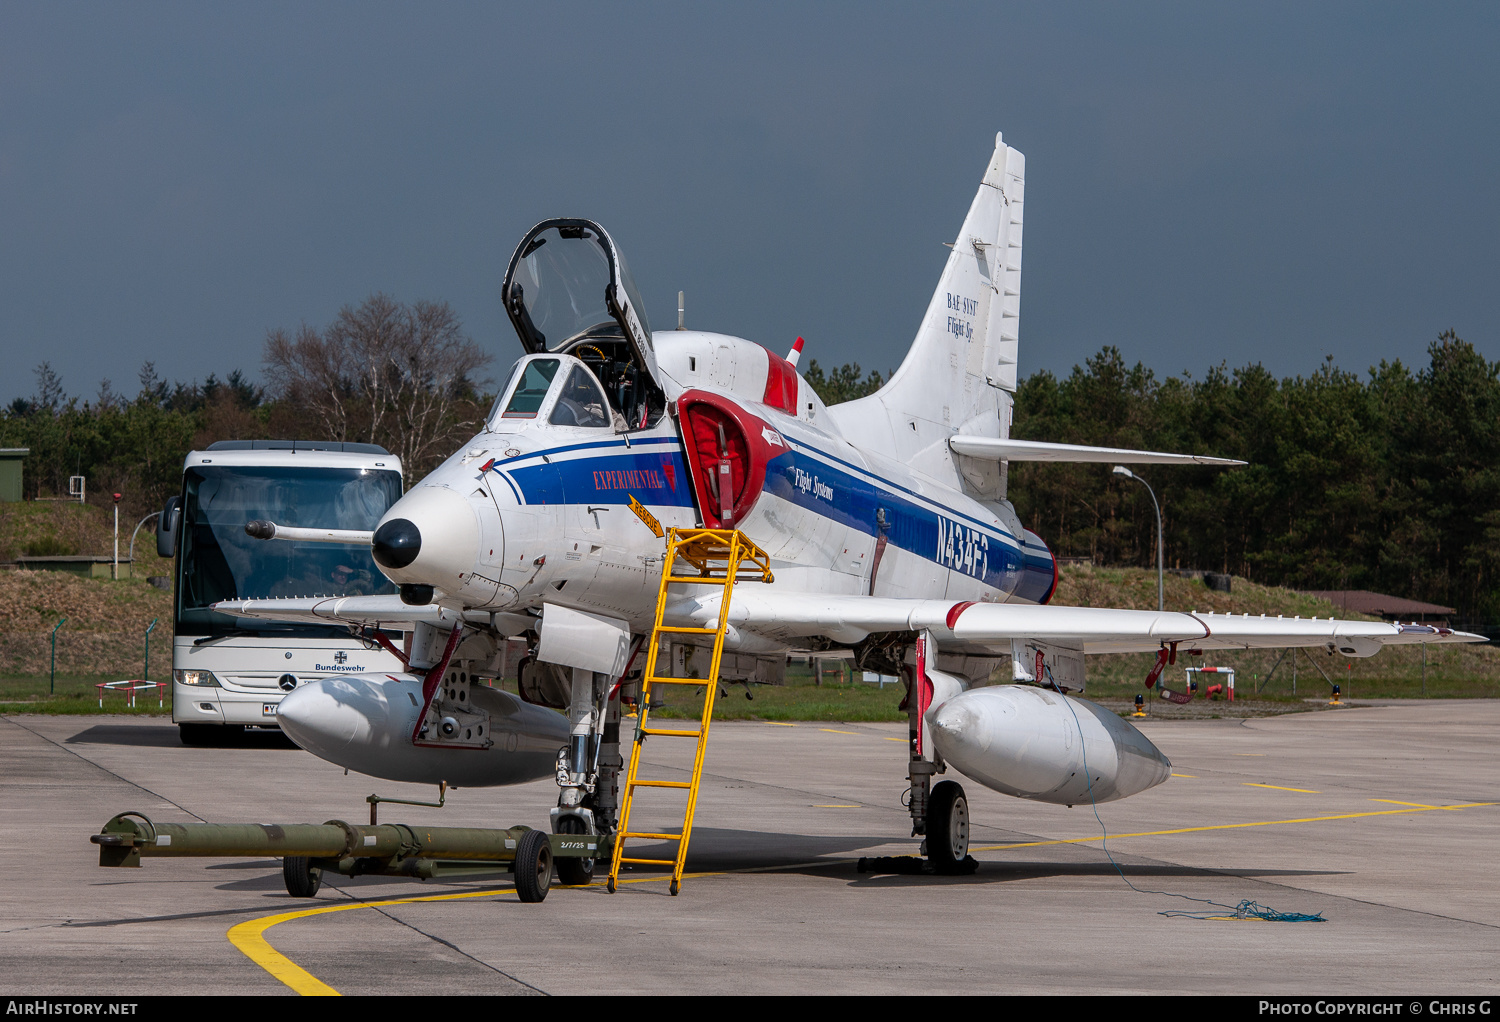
[218,561]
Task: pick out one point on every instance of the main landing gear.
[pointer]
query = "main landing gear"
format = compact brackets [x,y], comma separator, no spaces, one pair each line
[939,812]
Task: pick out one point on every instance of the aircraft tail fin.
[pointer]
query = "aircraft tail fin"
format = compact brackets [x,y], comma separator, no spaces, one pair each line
[960,372]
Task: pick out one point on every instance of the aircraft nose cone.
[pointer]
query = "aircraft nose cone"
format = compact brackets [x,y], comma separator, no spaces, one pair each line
[429,537]
[396,543]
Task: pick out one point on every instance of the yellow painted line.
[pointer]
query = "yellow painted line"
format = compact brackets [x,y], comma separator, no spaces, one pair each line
[1277,787]
[889,739]
[249,937]
[1194,776]
[779,723]
[1419,805]
[1225,826]
[835,731]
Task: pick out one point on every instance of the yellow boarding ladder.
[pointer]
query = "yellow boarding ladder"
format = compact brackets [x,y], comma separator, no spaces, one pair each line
[718,554]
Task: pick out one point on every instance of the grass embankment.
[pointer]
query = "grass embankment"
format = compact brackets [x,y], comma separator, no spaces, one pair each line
[104,637]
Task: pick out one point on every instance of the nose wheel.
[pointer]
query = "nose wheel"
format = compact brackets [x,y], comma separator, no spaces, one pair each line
[947,827]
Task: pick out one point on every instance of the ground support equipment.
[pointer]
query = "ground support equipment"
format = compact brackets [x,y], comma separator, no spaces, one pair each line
[392,849]
[722,557]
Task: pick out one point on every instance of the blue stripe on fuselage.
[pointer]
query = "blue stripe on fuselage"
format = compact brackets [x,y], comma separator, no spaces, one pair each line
[654,475]
[655,472]
[991,555]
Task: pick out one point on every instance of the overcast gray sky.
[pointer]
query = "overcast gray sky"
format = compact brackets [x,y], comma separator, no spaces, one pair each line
[1205,182]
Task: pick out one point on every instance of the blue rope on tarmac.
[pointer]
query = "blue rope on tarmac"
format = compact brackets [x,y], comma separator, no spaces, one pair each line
[1244,910]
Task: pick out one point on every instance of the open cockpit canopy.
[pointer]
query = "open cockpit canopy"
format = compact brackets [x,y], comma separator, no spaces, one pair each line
[567,291]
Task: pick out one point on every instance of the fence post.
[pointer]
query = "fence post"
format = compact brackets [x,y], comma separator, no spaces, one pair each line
[147,675]
[52,682]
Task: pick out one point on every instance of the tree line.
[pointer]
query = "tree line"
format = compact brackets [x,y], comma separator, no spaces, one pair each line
[402,375]
[1387,481]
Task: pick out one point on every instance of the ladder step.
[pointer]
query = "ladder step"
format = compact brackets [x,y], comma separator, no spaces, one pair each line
[723,557]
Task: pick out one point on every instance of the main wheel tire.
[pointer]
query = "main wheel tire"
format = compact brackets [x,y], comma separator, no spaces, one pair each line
[302,878]
[572,871]
[947,825]
[533,866]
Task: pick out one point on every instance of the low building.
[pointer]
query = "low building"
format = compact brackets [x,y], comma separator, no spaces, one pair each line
[1391,608]
[10,472]
[89,565]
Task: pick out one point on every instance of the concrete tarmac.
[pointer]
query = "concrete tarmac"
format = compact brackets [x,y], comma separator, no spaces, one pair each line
[1383,819]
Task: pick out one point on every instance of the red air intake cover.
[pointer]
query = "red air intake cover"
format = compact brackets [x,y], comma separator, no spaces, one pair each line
[715,430]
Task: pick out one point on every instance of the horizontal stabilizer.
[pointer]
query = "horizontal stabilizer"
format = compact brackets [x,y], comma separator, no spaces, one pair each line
[995,449]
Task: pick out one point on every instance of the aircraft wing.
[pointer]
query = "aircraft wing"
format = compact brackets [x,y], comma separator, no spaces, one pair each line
[367,611]
[990,627]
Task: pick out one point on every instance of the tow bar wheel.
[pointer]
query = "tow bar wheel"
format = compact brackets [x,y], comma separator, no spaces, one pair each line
[947,825]
[302,878]
[533,866]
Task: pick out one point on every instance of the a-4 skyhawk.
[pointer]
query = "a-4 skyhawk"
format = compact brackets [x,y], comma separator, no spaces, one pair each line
[885,518]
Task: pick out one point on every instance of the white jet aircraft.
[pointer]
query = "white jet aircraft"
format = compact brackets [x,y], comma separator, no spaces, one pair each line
[886,519]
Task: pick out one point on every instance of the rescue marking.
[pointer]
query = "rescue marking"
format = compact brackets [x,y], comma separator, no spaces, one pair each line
[646,516]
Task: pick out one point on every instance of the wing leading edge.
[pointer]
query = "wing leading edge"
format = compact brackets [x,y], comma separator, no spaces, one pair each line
[974,627]
[366,611]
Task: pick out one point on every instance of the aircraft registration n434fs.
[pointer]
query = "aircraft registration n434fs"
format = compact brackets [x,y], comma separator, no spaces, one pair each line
[886,519]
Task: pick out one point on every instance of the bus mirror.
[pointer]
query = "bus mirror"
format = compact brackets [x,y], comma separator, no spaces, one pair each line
[166,528]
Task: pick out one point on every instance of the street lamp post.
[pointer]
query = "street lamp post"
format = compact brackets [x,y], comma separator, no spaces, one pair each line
[1121,470]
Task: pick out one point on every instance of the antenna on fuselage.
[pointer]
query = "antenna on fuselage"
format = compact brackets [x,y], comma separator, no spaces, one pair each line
[796,353]
[681,309]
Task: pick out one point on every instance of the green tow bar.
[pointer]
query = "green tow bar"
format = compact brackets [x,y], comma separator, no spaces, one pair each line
[391,849]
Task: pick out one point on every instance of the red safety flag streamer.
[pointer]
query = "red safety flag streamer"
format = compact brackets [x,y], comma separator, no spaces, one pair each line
[1162,656]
